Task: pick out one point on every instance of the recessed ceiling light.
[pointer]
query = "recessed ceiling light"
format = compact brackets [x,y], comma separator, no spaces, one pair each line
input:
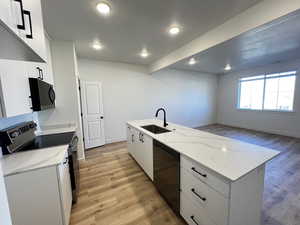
[103,8]
[174,31]
[227,67]
[97,46]
[144,53]
[192,61]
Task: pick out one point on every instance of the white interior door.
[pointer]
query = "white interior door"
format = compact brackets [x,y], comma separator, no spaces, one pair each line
[92,114]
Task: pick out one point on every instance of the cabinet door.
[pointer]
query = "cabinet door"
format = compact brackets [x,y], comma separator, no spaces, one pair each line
[5,12]
[147,155]
[130,140]
[66,190]
[34,35]
[36,70]
[33,197]
[49,71]
[139,149]
[14,88]
[135,142]
[16,20]
[32,69]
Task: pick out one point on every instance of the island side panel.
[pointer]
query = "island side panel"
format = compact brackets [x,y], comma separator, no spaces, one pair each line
[246,196]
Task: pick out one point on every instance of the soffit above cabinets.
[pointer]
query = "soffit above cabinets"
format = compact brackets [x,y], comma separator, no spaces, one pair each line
[135,24]
[274,42]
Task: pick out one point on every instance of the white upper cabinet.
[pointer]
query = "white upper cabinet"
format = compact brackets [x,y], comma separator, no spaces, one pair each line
[43,71]
[14,89]
[50,75]
[34,27]
[5,12]
[25,19]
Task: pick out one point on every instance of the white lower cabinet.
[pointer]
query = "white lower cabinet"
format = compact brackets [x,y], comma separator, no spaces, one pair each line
[191,213]
[210,202]
[41,196]
[209,199]
[140,146]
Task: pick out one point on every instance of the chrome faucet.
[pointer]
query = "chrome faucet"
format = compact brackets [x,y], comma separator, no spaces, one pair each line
[156,115]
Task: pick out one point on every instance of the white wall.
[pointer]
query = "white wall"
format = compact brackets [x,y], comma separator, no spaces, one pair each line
[285,123]
[130,93]
[65,84]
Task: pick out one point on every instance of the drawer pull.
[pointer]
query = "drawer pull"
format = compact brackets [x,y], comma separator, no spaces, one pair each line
[193,218]
[199,196]
[201,174]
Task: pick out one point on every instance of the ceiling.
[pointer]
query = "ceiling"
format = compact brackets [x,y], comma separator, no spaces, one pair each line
[275,42]
[135,24]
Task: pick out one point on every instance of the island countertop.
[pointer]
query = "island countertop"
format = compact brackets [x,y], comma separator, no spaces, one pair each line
[35,159]
[230,158]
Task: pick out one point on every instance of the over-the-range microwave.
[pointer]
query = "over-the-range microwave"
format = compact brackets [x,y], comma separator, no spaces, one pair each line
[42,94]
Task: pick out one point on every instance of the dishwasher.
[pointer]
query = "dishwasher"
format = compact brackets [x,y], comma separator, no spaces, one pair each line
[166,164]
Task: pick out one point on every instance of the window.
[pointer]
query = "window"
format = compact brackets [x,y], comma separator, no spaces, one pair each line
[268,92]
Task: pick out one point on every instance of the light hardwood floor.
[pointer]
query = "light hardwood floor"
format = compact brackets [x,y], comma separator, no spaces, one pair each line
[115,191]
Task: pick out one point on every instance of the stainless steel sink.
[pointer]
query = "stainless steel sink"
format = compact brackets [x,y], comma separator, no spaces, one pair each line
[155,129]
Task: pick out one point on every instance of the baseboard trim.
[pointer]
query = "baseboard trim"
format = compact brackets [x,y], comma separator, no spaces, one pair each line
[114,140]
[269,131]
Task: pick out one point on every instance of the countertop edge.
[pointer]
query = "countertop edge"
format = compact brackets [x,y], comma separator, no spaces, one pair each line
[57,162]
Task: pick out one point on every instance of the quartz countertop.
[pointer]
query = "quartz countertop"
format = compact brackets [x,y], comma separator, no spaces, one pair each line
[55,129]
[230,158]
[35,159]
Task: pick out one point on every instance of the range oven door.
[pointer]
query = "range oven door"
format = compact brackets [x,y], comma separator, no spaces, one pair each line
[166,163]
[74,168]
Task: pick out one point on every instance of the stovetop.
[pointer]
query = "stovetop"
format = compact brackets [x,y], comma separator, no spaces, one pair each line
[51,140]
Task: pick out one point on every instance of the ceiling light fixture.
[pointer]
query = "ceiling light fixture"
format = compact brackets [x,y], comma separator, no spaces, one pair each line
[103,8]
[97,46]
[192,61]
[144,53]
[174,30]
[227,67]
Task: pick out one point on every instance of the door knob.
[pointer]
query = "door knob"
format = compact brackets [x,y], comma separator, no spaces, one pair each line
[101,117]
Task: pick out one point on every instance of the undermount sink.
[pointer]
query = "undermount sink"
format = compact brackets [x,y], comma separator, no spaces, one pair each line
[155,129]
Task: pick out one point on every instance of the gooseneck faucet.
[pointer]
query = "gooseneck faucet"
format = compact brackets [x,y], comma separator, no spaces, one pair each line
[156,115]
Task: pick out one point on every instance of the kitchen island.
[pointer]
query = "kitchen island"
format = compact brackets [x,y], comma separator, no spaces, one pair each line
[221,179]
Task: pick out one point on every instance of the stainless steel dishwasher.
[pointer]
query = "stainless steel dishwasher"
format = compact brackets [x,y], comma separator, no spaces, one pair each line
[166,163]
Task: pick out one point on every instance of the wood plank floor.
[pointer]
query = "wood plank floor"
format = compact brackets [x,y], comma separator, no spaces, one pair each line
[115,191]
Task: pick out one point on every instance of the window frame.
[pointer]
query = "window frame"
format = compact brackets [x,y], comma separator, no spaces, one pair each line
[240,81]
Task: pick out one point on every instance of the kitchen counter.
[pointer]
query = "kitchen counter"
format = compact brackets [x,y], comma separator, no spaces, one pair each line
[55,129]
[230,158]
[30,160]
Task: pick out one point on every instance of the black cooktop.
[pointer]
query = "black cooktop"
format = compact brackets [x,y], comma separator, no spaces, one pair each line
[45,141]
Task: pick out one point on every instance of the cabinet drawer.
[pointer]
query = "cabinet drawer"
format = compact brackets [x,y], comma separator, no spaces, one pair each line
[191,213]
[212,179]
[213,204]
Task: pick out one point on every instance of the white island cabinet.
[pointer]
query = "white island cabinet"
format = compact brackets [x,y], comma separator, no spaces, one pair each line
[221,179]
[140,146]
[40,196]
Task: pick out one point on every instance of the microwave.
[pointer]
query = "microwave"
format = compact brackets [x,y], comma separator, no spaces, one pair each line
[42,94]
